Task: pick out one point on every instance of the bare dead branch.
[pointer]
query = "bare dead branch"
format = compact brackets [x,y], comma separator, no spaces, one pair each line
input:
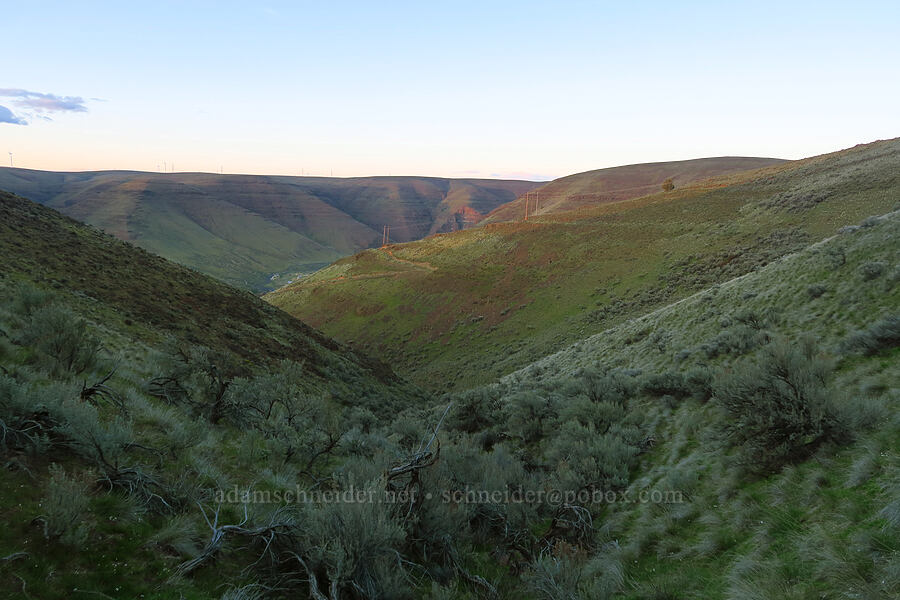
[314,592]
[14,556]
[424,456]
[276,527]
[572,523]
[477,581]
[168,389]
[100,392]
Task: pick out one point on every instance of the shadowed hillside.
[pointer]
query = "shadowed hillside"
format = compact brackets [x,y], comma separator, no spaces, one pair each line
[245,229]
[458,309]
[621,183]
[128,289]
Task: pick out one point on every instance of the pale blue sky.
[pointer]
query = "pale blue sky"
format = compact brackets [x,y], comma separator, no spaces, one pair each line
[515,89]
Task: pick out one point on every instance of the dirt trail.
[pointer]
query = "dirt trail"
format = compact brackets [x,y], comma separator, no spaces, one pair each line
[422,265]
[418,265]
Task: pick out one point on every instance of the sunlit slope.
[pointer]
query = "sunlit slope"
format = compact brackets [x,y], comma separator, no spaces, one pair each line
[244,229]
[823,526]
[621,183]
[458,309]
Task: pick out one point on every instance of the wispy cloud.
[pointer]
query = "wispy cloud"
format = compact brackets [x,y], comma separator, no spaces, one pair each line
[7,116]
[38,104]
[44,102]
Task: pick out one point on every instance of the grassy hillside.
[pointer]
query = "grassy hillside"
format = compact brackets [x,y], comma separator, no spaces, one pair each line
[762,416]
[460,309]
[621,183]
[246,229]
[130,291]
[130,387]
[739,443]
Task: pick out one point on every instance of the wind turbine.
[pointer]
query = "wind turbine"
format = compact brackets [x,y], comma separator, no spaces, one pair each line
[10,159]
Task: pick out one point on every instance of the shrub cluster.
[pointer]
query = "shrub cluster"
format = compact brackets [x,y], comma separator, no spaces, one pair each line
[872,270]
[779,408]
[881,335]
[63,343]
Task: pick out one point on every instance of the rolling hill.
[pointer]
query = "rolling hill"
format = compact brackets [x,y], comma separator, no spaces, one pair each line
[141,296]
[620,183]
[165,435]
[257,231]
[127,380]
[700,514]
[459,309]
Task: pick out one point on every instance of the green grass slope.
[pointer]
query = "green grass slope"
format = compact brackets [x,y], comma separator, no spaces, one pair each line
[823,525]
[460,309]
[256,231]
[621,183]
[738,443]
[152,299]
[700,514]
[121,375]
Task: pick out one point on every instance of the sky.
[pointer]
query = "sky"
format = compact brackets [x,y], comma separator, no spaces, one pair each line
[531,90]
